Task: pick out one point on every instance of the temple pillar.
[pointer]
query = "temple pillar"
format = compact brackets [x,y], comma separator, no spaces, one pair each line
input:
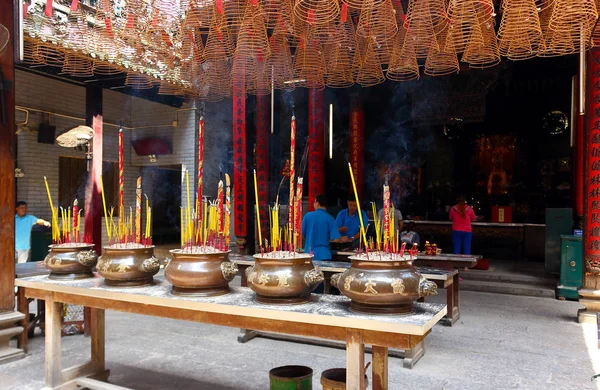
[263,129]
[316,145]
[93,193]
[9,319]
[589,294]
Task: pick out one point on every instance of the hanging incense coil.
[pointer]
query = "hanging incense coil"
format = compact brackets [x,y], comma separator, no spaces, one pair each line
[442,61]
[280,61]
[487,54]
[77,65]
[77,34]
[216,79]
[252,39]
[31,53]
[554,43]
[377,21]
[167,88]
[139,80]
[370,72]
[520,33]
[256,74]
[339,53]
[425,18]
[464,25]
[219,44]
[233,12]
[570,26]
[105,68]
[315,12]
[403,64]
[102,42]
[198,15]
[309,63]
[51,54]
[358,5]
[278,12]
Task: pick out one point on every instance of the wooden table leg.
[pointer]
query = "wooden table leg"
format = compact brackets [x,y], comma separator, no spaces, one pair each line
[412,356]
[54,314]
[243,268]
[98,339]
[454,309]
[327,285]
[380,368]
[23,307]
[87,323]
[355,361]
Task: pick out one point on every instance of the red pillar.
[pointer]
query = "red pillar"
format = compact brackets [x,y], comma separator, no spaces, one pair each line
[7,165]
[578,171]
[262,120]
[316,146]
[239,164]
[591,191]
[357,142]
[93,195]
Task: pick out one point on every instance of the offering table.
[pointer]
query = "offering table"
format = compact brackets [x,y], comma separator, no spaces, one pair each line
[325,317]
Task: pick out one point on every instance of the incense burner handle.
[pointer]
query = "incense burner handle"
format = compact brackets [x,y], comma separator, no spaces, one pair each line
[335,279]
[150,265]
[427,288]
[313,278]
[87,258]
[229,270]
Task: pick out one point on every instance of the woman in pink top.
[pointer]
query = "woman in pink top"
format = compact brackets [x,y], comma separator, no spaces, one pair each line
[461,216]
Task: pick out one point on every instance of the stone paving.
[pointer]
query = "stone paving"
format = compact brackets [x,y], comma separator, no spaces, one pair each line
[500,342]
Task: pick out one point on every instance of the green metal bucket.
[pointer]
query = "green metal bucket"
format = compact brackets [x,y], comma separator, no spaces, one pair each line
[291,378]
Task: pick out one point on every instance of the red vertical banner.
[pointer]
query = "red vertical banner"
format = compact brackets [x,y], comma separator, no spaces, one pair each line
[316,147]
[263,115]
[239,161]
[591,181]
[357,142]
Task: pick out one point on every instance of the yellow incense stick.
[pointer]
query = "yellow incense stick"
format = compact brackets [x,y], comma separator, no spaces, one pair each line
[106,221]
[257,210]
[362,226]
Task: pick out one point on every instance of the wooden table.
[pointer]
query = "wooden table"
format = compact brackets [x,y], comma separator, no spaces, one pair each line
[326,316]
[442,278]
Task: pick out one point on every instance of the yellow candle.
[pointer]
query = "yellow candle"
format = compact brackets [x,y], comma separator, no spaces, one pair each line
[362,225]
[257,210]
[106,221]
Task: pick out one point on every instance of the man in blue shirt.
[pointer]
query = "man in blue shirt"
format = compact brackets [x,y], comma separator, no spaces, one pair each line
[319,229]
[23,225]
[348,221]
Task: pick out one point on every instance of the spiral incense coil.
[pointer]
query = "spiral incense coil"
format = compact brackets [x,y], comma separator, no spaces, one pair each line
[278,12]
[309,63]
[464,27]
[339,53]
[105,68]
[219,44]
[139,80]
[520,33]
[168,88]
[377,21]
[553,43]
[358,5]
[441,62]
[486,55]
[31,53]
[198,15]
[370,72]
[571,23]
[403,64]
[192,47]
[252,39]
[216,79]
[234,14]
[315,12]
[51,54]
[254,72]
[77,31]
[280,61]
[77,65]
[423,19]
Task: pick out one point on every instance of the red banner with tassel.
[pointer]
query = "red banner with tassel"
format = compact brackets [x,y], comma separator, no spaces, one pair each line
[357,142]
[239,159]
[316,147]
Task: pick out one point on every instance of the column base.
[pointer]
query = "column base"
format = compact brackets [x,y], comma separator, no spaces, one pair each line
[591,300]
[8,330]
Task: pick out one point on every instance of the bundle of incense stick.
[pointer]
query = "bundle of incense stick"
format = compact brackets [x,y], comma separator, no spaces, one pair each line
[128,229]
[65,223]
[209,222]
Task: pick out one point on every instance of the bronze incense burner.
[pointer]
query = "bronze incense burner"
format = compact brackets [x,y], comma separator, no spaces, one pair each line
[283,277]
[383,284]
[71,261]
[128,265]
[200,274]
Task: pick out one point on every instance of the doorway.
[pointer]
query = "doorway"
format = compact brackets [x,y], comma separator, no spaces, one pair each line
[166,201]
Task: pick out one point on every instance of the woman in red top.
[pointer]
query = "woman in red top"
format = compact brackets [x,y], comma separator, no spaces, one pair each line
[461,216]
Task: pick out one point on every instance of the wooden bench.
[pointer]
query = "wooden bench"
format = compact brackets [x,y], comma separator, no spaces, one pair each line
[446,279]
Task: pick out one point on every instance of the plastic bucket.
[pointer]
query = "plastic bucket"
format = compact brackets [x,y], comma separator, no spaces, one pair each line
[335,379]
[291,378]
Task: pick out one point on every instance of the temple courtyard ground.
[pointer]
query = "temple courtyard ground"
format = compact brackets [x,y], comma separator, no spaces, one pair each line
[500,342]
